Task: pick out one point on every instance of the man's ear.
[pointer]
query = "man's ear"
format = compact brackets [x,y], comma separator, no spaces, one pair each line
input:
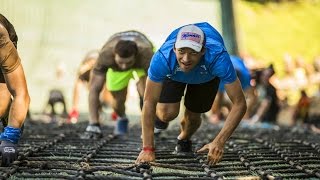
[203,51]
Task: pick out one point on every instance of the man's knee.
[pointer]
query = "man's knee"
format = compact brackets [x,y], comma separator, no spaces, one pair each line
[119,97]
[167,114]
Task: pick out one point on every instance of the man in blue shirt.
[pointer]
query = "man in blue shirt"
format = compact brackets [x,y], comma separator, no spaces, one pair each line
[193,57]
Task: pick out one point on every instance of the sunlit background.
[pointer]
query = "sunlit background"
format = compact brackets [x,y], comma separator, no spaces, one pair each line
[56,35]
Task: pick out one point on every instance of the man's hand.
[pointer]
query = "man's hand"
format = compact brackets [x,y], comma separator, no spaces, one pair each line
[215,152]
[9,153]
[146,156]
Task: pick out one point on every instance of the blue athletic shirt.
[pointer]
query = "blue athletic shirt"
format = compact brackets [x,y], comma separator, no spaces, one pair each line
[244,73]
[215,62]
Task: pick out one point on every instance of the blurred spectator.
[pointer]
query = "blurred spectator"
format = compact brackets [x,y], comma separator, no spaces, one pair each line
[314,113]
[301,113]
[267,106]
[56,98]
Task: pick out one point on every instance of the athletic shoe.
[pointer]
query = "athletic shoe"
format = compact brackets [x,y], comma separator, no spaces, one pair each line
[121,127]
[92,132]
[159,126]
[183,146]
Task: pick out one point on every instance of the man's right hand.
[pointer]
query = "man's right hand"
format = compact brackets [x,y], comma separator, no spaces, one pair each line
[215,152]
[145,156]
[9,153]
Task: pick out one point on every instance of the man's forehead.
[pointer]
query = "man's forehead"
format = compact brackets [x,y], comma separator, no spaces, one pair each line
[127,59]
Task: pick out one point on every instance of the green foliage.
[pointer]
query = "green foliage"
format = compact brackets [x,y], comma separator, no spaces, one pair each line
[268,31]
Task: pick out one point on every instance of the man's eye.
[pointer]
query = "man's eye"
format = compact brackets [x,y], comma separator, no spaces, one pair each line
[180,51]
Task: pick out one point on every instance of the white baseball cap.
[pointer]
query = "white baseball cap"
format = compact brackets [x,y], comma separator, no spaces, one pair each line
[190,36]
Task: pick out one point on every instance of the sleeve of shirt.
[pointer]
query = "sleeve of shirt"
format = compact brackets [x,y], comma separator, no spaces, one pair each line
[159,68]
[223,68]
[9,58]
[103,62]
[245,79]
[146,55]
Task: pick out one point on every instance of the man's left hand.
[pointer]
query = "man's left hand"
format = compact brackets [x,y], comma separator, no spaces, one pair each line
[215,152]
[9,153]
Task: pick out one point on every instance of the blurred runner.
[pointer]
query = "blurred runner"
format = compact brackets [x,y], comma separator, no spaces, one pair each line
[124,56]
[244,76]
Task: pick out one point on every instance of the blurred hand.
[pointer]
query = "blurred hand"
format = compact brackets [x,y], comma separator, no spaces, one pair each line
[73,116]
[9,153]
[145,156]
[215,152]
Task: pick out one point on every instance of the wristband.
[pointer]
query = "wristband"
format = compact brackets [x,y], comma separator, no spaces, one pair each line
[148,149]
[11,134]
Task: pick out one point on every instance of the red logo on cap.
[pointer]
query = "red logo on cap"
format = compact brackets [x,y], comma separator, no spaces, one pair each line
[191,36]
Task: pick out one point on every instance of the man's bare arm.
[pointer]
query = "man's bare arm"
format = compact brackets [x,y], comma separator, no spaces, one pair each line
[151,97]
[95,86]
[238,109]
[17,85]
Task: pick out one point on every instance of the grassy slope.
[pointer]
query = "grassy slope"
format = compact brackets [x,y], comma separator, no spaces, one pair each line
[268,31]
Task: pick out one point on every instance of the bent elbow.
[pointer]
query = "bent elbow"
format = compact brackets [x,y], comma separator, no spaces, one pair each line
[244,107]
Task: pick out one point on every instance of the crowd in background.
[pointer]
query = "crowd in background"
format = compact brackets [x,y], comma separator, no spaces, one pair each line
[296,101]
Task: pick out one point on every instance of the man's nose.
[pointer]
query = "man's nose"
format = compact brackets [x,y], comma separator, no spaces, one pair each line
[123,66]
[185,57]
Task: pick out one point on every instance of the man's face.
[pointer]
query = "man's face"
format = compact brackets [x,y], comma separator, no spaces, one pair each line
[125,63]
[188,58]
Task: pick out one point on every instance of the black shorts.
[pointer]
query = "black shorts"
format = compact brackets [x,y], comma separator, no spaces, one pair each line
[198,97]
[55,96]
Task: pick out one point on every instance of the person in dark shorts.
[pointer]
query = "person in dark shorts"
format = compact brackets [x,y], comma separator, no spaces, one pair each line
[126,55]
[14,96]
[244,76]
[193,58]
[56,97]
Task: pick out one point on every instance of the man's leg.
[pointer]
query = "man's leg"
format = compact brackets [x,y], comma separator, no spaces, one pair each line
[117,83]
[119,101]
[168,106]
[189,124]
[141,86]
[118,106]
[198,99]
[165,112]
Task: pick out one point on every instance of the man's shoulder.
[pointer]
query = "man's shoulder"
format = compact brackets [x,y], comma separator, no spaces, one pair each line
[4,36]
[3,30]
